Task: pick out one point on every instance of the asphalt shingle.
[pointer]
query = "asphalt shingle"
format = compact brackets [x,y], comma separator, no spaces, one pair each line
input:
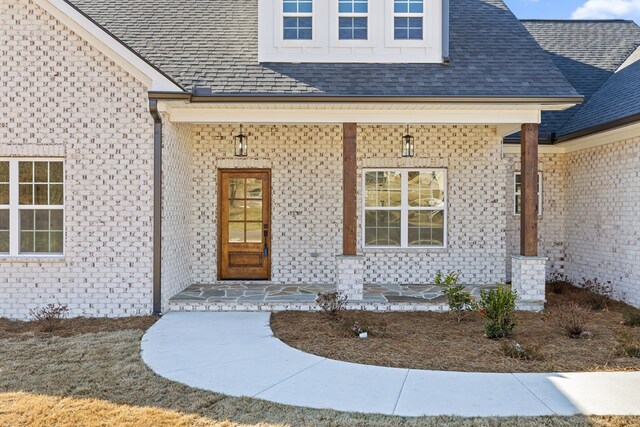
[214,44]
[588,53]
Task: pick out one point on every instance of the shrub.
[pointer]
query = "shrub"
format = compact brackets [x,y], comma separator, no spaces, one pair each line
[351,324]
[572,318]
[497,306]
[631,317]
[599,293]
[50,316]
[332,303]
[558,283]
[458,299]
[522,351]
[627,345]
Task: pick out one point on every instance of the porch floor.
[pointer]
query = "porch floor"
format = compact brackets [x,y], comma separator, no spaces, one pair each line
[267,292]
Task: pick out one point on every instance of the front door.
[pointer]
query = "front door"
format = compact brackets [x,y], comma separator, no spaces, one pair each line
[244,208]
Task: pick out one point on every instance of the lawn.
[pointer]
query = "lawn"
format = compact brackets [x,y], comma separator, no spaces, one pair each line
[89,373]
[436,341]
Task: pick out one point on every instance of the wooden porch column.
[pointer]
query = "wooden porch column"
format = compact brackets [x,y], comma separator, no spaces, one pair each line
[529,177]
[349,191]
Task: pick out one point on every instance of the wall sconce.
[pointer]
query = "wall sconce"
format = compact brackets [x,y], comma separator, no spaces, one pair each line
[241,148]
[408,145]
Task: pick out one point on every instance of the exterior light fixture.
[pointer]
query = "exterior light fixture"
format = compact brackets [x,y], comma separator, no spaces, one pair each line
[240,144]
[408,145]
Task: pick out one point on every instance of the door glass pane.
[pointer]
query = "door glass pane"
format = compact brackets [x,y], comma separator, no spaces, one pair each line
[236,210]
[254,232]
[254,210]
[254,188]
[236,232]
[236,188]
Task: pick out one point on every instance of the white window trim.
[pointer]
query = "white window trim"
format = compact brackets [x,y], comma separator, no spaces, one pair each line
[404,209]
[15,207]
[283,14]
[352,15]
[516,194]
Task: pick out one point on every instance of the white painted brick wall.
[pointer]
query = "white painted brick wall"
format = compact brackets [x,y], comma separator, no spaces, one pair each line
[603,216]
[306,163]
[528,275]
[350,276]
[176,209]
[476,208]
[551,227]
[61,97]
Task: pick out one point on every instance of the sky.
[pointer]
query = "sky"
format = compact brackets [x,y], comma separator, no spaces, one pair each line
[576,9]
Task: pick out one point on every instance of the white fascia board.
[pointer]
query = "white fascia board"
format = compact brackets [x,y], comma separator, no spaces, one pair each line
[207,114]
[109,46]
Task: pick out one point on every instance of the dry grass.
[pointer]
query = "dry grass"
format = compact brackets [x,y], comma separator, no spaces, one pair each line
[72,327]
[437,341]
[99,379]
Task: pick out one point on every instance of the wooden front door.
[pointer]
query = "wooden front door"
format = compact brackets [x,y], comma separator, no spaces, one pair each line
[244,224]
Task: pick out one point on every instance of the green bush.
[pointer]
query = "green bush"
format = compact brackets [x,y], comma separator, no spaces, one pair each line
[631,317]
[458,299]
[497,306]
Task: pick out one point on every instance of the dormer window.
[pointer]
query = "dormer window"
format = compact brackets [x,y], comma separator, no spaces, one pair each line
[297,21]
[353,19]
[408,19]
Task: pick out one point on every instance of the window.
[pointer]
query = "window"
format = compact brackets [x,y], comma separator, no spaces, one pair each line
[31,207]
[353,19]
[408,18]
[297,19]
[517,194]
[405,208]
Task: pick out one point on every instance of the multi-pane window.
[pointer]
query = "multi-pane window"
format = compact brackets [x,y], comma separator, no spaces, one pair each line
[4,207]
[408,19]
[353,19]
[405,208]
[31,207]
[297,19]
[517,194]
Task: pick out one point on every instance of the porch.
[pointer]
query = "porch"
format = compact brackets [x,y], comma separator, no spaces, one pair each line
[323,197]
[259,296]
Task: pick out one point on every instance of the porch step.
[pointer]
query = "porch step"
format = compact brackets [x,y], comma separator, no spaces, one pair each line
[266,296]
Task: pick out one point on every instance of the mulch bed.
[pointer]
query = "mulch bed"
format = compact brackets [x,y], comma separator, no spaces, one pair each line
[72,327]
[436,341]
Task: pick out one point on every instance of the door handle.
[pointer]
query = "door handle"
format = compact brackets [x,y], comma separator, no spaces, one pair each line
[265,251]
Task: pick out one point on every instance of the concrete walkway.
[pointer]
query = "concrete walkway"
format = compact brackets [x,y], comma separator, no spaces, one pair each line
[236,354]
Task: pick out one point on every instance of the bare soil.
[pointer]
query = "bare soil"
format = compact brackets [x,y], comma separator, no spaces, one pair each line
[436,341]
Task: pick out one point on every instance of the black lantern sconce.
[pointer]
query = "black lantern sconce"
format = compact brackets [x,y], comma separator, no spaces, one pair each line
[240,144]
[408,145]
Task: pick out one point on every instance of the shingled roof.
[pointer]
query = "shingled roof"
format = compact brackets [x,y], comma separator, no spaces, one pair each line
[588,53]
[214,44]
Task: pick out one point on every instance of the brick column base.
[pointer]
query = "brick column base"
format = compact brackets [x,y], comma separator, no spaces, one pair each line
[528,278]
[350,278]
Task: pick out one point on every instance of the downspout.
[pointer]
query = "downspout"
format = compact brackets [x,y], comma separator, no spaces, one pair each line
[157,207]
[445,31]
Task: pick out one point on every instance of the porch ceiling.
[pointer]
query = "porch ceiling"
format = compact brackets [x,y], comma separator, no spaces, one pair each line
[180,111]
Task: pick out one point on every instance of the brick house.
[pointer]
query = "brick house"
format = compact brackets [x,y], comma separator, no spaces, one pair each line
[151,149]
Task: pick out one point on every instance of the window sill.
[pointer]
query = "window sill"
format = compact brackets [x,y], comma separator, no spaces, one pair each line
[403,250]
[32,259]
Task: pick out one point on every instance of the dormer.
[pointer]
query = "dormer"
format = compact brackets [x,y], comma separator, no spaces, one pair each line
[353,31]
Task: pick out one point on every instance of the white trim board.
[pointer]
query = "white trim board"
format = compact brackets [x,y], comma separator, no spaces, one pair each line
[310,114]
[590,141]
[153,79]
